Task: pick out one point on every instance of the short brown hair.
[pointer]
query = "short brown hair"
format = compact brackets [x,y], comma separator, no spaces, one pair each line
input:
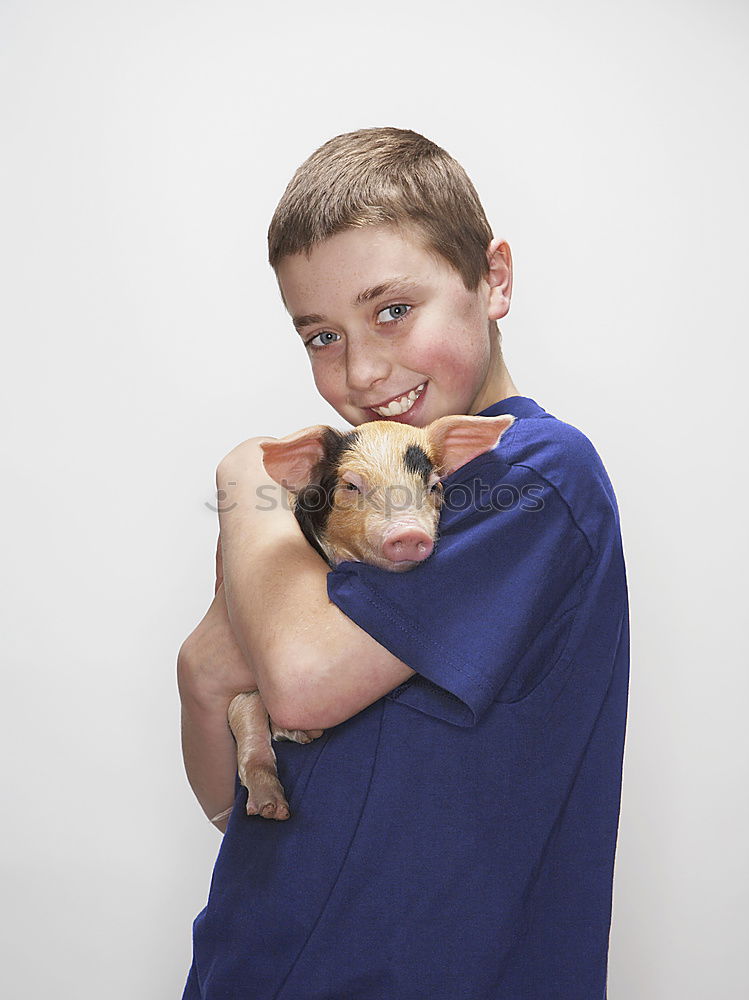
[390,176]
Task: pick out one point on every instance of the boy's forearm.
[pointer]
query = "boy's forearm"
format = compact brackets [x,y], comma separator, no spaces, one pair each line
[211,670]
[210,756]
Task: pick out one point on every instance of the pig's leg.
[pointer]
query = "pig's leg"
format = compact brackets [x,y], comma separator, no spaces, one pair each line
[256,761]
[294,735]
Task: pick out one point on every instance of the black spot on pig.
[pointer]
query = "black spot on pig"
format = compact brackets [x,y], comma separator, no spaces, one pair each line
[417,461]
[314,501]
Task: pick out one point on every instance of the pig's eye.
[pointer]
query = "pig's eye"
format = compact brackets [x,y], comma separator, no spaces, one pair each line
[436,487]
[350,486]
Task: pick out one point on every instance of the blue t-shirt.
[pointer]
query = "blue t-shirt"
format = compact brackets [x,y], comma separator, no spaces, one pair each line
[456,838]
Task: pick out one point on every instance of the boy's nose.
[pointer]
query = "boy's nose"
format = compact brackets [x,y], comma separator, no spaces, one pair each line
[365,365]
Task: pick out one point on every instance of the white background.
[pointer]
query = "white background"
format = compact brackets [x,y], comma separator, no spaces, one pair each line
[144,148]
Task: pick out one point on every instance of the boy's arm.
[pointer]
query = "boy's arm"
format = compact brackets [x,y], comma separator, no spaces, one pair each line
[211,669]
[314,666]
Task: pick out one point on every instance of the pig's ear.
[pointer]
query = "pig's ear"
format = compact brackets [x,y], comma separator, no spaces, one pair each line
[290,461]
[456,440]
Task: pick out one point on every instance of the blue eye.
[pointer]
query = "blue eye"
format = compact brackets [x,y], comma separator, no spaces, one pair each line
[324,338]
[323,335]
[400,309]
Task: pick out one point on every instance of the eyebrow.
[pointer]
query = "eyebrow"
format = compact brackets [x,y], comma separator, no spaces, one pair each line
[404,283]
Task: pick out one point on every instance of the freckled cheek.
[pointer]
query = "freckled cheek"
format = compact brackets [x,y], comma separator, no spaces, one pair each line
[456,363]
[330,382]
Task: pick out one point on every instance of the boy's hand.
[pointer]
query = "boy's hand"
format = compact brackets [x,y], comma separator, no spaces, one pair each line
[245,455]
[242,479]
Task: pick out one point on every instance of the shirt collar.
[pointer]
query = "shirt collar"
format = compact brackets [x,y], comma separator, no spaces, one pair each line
[518,406]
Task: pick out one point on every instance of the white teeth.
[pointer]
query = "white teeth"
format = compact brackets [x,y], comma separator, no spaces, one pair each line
[400,405]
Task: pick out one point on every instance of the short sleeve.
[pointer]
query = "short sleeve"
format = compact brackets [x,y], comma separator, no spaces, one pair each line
[483,617]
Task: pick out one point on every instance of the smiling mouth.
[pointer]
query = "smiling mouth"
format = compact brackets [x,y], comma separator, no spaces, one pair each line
[400,404]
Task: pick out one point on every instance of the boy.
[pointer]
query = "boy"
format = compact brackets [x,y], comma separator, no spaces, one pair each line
[453,831]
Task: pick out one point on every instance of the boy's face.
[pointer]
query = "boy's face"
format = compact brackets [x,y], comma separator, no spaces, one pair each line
[423,340]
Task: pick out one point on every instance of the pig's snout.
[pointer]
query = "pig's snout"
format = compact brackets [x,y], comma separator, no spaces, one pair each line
[408,545]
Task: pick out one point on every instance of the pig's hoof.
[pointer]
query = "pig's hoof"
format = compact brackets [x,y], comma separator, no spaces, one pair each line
[295,735]
[265,795]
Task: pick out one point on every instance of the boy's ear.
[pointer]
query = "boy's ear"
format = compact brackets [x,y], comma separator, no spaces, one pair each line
[456,440]
[500,277]
[290,461]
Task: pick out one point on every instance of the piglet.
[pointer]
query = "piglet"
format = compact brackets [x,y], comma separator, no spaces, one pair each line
[372,494]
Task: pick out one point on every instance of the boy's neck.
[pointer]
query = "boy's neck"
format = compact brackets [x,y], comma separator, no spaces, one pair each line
[498,384]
